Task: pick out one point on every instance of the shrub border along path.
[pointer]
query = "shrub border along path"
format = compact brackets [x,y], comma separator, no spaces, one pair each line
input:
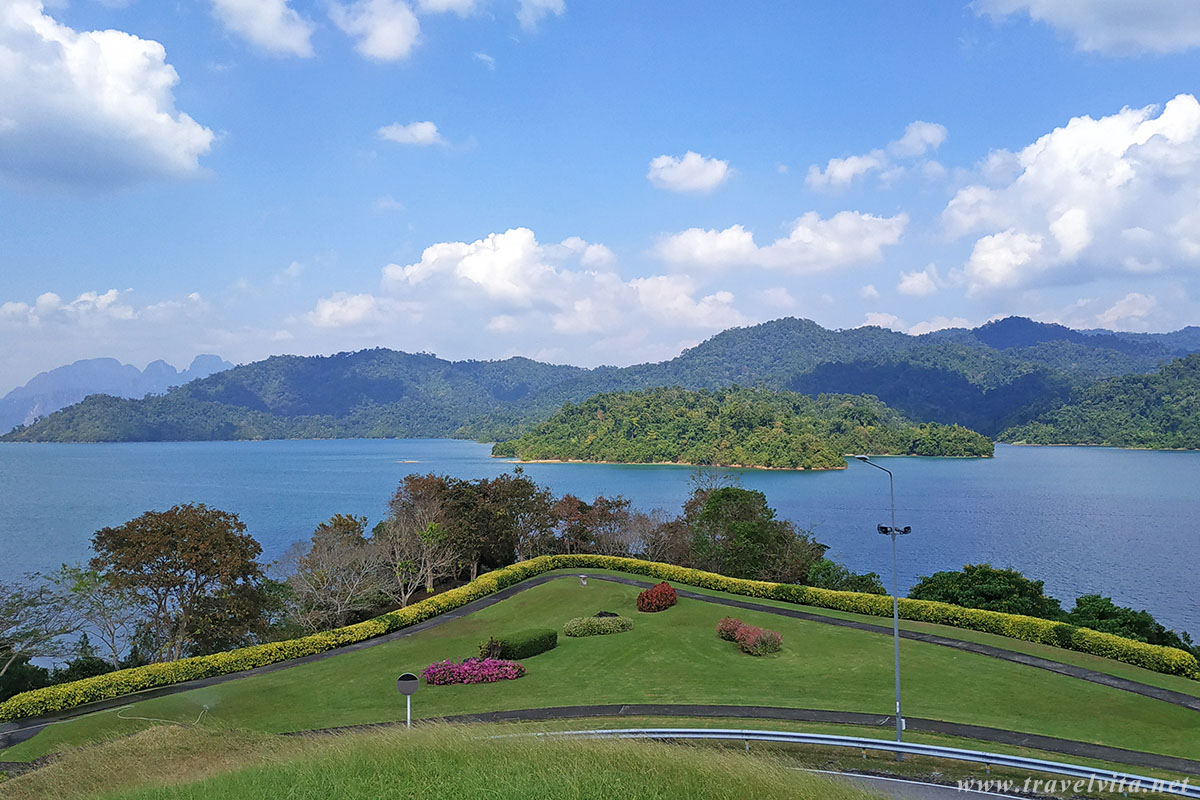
[13,733]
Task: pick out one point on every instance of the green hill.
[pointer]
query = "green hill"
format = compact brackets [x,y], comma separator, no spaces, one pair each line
[1000,375]
[1160,410]
[735,427]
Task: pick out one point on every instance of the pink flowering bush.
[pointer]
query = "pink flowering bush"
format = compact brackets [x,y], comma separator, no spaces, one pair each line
[728,628]
[471,670]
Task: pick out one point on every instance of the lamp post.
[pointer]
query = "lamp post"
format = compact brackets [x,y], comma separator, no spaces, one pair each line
[893,531]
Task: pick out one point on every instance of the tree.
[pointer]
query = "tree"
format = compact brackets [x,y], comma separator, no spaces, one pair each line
[34,616]
[1102,614]
[338,574]
[736,533]
[984,586]
[110,612]
[525,508]
[176,562]
[828,574]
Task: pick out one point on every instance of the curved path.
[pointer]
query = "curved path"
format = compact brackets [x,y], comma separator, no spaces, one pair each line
[1048,744]
[12,733]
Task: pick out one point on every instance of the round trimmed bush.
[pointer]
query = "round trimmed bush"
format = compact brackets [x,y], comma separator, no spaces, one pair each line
[597,626]
[658,597]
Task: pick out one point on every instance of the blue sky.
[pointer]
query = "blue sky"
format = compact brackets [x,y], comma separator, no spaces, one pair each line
[584,182]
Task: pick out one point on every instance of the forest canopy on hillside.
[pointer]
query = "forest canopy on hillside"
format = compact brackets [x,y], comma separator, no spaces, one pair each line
[735,427]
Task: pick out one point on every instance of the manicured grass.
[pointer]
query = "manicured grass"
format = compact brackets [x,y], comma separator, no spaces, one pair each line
[437,761]
[670,657]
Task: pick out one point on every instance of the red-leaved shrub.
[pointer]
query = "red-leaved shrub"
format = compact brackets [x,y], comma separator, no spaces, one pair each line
[758,641]
[658,597]
[728,629]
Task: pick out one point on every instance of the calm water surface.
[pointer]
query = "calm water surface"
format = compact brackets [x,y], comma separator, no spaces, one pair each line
[1119,522]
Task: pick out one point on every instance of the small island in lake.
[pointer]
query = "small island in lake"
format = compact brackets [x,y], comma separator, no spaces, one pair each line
[735,427]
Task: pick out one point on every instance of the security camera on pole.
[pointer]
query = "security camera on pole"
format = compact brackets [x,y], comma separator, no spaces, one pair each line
[893,531]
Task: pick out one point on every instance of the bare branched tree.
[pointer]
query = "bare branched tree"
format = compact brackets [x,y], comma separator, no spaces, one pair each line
[34,617]
[339,574]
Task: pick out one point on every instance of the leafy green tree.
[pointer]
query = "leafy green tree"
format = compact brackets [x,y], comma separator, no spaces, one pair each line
[86,664]
[109,612]
[180,563]
[737,534]
[828,574]
[984,586]
[1102,614]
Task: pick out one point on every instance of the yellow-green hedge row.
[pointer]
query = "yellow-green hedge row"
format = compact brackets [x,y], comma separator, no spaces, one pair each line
[1167,660]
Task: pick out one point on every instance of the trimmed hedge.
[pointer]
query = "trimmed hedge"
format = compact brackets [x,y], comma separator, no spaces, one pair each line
[597,626]
[658,597]
[518,645]
[1167,660]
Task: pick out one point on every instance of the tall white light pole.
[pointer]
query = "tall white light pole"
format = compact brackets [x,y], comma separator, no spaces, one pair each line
[893,531]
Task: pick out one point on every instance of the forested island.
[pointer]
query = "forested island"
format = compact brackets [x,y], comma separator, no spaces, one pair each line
[1159,411]
[735,427]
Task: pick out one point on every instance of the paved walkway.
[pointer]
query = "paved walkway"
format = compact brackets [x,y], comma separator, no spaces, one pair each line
[1048,744]
[12,733]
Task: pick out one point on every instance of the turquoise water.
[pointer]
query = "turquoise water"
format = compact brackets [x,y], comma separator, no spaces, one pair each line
[1123,523]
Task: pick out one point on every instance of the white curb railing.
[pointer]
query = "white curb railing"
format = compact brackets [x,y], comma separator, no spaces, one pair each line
[1125,782]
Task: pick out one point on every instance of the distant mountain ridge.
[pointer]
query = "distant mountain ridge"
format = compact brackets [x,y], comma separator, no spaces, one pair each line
[991,378]
[49,391]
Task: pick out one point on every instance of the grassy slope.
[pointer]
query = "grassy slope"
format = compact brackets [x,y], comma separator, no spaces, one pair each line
[434,762]
[673,656]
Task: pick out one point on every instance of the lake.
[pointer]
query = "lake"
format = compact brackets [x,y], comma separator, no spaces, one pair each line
[1124,523]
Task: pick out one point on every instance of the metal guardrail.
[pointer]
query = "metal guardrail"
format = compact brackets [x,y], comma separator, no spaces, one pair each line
[1125,781]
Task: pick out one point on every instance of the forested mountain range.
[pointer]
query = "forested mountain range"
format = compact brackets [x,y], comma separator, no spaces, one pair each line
[1160,410]
[991,378]
[735,427]
[49,391]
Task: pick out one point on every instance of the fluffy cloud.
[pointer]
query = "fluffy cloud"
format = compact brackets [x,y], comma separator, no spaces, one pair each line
[918,139]
[91,310]
[1116,195]
[418,133]
[813,244]
[1130,311]
[920,284]
[938,324]
[463,8]
[341,310]
[882,319]
[88,110]
[383,30]
[691,172]
[1112,26]
[570,287]
[869,292]
[531,12]
[267,24]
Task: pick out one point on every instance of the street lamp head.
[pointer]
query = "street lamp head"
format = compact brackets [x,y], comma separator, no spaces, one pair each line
[862,458]
[884,529]
[907,529]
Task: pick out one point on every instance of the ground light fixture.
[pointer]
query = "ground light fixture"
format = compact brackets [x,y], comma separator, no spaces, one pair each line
[893,531]
[407,684]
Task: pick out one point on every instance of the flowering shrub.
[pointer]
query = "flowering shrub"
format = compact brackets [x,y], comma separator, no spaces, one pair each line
[471,670]
[757,641]
[658,597]
[597,626]
[728,629]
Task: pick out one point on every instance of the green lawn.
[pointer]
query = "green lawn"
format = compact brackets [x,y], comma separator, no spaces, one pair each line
[670,657]
[433,762]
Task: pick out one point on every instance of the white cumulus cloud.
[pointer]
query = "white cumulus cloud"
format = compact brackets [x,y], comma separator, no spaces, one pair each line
[1119,27]
[1114,195]
[938,324]
[90,110]
[920,284]
[418,133]
[271,25]
[1131,311]
[690,172]
[918,139]
[383,30]
[531,12]
[813,244]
